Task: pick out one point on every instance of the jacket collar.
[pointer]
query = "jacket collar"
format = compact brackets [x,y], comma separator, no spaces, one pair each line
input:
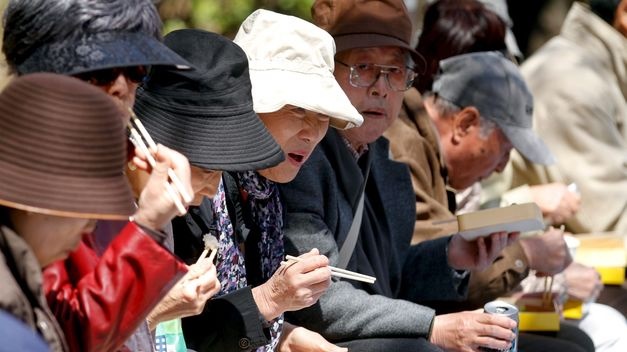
[26,263]
[582,26]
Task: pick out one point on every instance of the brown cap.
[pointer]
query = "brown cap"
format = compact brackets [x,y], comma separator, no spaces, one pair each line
[366,23]
[63,149]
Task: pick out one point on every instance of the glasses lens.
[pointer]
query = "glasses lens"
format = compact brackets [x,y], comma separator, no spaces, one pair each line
[135,74]
[364,75]
[398,78]
[100,77]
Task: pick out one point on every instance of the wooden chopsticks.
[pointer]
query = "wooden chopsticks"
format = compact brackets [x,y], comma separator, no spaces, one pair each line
[140,139]
[547,294]
[337,272]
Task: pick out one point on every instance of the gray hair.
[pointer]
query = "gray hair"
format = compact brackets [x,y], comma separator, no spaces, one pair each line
[28,24]
[446,109]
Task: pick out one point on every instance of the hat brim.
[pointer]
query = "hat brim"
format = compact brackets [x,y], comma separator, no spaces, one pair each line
[274,88]
[106,198]
[529,144]
[370,40]
[226,143]
[101,51]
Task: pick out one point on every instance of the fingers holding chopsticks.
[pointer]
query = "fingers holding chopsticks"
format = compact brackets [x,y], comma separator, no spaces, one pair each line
[294,285]
[160,200]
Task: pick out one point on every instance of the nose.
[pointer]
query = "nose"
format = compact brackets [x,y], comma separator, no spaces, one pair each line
[123,90]
[314,128]
[380,87]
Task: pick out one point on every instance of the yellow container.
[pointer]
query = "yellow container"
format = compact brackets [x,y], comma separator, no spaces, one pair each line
[539,321]
[573,309]
[537,313]
[612,275]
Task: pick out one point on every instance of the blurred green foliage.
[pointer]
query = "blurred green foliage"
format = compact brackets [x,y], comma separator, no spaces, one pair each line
[223,16]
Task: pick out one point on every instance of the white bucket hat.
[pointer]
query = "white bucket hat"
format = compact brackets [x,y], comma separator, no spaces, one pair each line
[291,62]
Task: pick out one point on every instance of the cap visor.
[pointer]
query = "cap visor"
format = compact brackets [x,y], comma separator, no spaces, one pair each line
[529,144]
[101,51]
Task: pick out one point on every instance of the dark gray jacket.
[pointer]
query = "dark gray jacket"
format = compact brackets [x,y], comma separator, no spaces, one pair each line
[320,203]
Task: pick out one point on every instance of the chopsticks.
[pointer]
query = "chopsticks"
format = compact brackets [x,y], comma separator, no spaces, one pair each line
[547,294]
[211,244]
[337,272]
[137,138]
[204,254]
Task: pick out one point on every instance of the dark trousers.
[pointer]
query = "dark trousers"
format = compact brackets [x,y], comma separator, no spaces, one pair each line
[568,339]
[390,345]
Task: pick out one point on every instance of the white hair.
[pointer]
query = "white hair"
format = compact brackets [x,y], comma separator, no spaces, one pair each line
[446,109]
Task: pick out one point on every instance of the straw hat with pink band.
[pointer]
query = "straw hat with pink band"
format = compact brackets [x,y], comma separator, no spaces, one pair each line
[63,149]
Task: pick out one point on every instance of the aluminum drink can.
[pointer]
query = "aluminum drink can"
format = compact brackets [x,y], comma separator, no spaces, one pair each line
[507,310]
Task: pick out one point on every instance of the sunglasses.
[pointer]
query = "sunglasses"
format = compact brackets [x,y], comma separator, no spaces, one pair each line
[135,74]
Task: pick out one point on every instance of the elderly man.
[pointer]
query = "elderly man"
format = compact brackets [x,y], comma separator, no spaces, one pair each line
[458,137]
[98,293]
[469,133]
[350,173]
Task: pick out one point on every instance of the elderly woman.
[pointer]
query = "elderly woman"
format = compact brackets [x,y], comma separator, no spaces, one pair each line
[293,90]
[55,183]
[118,40]
[206,114]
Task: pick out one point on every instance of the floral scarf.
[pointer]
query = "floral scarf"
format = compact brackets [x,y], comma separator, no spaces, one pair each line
[267,214]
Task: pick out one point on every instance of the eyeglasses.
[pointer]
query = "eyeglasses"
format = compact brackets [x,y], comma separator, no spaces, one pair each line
[365,75]
[135,74]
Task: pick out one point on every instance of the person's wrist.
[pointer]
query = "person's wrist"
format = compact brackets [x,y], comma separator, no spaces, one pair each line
[451,257]
[142,219]
[527,249]
[265,302]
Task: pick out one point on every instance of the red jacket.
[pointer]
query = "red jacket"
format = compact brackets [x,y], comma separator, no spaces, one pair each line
[100,301]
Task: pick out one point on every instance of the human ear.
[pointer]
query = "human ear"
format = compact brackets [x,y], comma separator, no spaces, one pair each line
[464,122]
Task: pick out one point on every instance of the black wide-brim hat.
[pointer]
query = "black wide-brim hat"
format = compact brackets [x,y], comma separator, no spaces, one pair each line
[206,113]
[98,51]
[63,149]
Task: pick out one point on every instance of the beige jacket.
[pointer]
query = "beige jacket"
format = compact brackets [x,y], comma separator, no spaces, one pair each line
[414,141]
[21,293]
[579,84]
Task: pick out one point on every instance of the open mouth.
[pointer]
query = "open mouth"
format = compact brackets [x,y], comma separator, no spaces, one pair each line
[296,157]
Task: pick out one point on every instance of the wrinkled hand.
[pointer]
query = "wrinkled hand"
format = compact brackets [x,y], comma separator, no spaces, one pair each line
[556,201]
[547,253]
[294,285]
[468,331]
[156,206]
[299,339]
[188,296]
[583,282]
[480,253]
